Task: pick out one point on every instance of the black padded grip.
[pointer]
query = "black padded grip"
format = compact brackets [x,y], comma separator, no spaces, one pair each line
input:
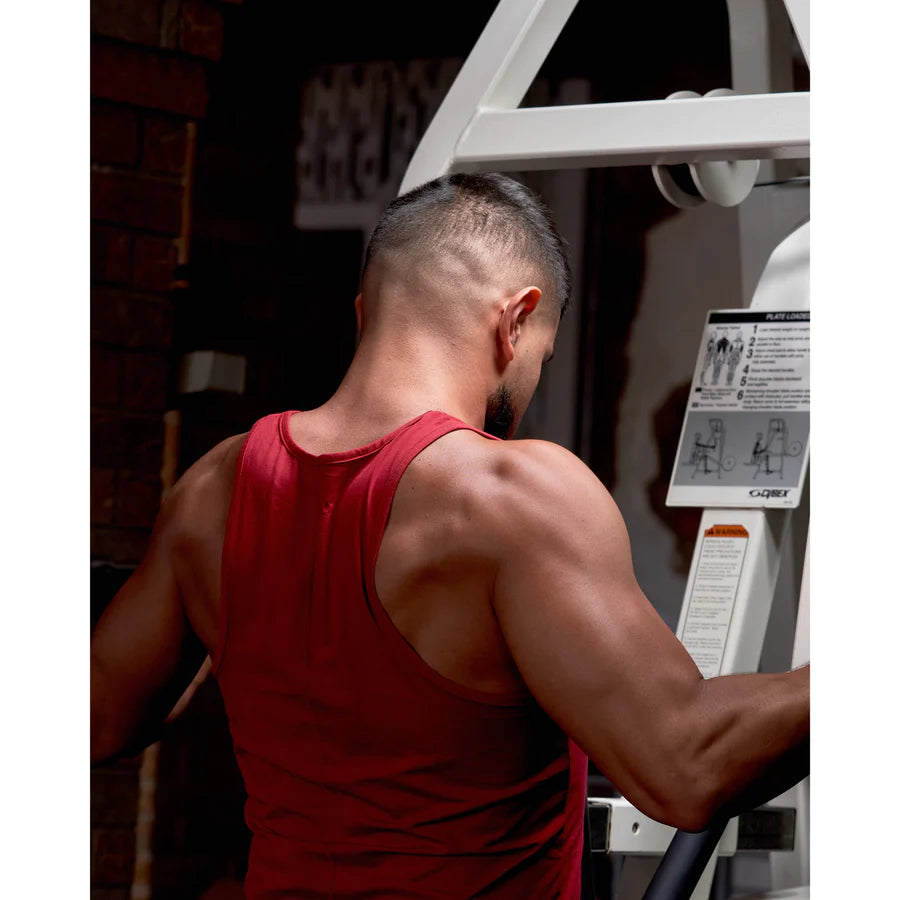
[683,864]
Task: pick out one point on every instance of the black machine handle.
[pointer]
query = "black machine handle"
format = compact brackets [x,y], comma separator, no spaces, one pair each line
[684,861]
[686,858]
[681,867]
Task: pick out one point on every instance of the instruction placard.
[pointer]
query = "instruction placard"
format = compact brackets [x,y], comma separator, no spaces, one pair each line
[745,438]
[713,595]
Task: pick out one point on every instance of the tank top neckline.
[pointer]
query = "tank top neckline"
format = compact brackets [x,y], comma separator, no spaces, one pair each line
[356,452]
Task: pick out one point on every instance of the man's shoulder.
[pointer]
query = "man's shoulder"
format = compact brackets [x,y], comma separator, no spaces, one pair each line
[516,503]
[502,481]
[514,463]
[199,501]
[464,457]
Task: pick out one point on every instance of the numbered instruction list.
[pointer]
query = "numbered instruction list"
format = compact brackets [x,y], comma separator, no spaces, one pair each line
[745,438]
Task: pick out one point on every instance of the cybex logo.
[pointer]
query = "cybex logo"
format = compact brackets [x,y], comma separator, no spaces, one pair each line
[768,492]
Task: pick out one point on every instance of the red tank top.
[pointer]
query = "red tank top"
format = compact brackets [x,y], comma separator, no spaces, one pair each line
[368,774]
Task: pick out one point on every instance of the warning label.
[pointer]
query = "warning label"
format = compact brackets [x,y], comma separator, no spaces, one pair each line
[713,594]
[727,531]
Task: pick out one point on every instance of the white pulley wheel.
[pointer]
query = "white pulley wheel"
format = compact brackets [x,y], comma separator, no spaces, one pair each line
[724,182]
[676,183]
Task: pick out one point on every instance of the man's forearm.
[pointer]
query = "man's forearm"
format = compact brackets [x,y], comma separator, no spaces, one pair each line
[106,740]
[757,743]
[124,725]
[782,774]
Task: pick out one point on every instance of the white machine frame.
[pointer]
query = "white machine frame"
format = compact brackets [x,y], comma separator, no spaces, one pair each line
[479,127]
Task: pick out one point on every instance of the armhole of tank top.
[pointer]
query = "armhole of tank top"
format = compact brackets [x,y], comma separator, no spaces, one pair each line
[229,539]
[401,648]
[576,800]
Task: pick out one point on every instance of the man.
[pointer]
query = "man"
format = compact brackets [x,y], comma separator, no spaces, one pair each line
[419,630]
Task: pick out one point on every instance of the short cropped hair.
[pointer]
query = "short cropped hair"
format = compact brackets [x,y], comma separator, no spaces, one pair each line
[490,210]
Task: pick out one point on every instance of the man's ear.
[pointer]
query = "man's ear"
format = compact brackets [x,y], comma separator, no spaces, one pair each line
[513,315]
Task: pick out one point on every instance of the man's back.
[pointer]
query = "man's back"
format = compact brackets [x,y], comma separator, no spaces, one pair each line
[368,771]
[433,570]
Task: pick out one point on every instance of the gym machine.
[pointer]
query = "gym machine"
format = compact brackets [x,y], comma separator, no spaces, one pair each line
[729,148]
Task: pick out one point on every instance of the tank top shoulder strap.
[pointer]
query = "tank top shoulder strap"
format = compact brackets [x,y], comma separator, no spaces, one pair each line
[413,439]
[263,441]
[257,459]
[381,485]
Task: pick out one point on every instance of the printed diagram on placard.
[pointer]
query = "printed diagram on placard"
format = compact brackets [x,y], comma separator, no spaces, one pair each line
[768,454]
[708,453]
[722,352]
[745,437]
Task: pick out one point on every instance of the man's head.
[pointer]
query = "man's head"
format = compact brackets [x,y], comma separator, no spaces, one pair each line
[476,260]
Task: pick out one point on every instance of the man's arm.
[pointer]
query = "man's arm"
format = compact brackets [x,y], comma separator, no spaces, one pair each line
[605,666]
[145,650]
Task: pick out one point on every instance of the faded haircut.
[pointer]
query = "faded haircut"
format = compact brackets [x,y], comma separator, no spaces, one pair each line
[489,210]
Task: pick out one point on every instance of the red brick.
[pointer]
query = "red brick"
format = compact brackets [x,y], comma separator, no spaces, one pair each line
[144,78]
[135,441]
[128,20]
[111,254]
[144,383]
[202,29]
[154,263]
[106,372]
[123,546]
[137,500]
[113,856]
[108,893]
[166,146]
[137,200]
[113,796]
[131,320]
[125,763]
[103,492]
[114,135]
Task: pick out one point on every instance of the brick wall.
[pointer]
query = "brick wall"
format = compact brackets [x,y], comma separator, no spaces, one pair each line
[150,65]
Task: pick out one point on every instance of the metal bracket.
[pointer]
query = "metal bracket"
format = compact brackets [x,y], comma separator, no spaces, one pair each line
[618,827]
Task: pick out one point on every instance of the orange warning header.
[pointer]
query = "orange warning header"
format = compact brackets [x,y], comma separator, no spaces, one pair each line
[727,531]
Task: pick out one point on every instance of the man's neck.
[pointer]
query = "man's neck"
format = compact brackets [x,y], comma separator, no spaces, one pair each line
[392,380]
